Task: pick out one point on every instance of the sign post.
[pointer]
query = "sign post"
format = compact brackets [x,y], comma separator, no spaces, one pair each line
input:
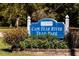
[28,25]
[66,25]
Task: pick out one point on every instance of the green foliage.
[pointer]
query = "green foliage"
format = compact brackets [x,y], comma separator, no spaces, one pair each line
[59,44]
[19,36]
[15,36]
[44,37]
[28,43]
[63,45]
[9,12]
[44,42]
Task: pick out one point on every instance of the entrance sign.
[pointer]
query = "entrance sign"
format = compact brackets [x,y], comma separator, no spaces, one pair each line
[47,26]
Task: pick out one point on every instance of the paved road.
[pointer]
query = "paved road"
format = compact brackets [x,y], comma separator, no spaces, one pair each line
[1,34]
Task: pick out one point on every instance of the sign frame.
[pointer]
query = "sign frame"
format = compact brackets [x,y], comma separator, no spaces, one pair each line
[50,23]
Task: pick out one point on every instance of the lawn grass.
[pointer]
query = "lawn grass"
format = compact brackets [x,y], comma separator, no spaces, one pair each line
[5,29]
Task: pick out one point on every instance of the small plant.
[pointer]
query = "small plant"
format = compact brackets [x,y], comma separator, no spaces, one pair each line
[44,43]
[42,37]
[19,39]
[63,45]
[34,44]
[13,37]
[28,43]
[58,44]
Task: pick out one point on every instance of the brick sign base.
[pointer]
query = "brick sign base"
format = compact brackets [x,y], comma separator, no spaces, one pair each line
[52,52]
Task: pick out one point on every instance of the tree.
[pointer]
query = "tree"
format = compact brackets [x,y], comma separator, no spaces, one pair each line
[10,11]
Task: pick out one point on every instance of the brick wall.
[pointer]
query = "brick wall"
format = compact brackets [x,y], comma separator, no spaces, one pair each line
[52,52]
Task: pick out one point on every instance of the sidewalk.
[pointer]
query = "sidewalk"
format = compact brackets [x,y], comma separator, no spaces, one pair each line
[1,34]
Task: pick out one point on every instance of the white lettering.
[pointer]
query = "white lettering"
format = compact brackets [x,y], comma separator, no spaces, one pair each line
[46,23]
[46,29]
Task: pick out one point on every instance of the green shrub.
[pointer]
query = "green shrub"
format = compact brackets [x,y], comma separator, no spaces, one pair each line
[34,44]
[39,43]
[22,45]
[63,45]
[55,43]
[15,36]
[58,44]
[27,43]
[43,37]
[20,38]
[45,44]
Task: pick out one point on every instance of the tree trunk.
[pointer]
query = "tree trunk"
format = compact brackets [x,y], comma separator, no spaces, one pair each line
[10,22]
[17,22]
[10,26]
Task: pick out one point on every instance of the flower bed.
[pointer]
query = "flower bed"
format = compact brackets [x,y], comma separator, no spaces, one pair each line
[19,40]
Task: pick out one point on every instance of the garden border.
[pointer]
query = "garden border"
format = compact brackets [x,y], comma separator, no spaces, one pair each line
[52,52]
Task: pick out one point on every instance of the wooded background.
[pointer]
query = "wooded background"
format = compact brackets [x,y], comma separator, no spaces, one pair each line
[10,13]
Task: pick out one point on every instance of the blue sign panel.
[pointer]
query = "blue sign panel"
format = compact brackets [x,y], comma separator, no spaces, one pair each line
[47,26]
